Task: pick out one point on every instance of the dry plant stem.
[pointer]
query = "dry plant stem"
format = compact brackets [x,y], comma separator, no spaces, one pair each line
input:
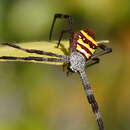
[103,41]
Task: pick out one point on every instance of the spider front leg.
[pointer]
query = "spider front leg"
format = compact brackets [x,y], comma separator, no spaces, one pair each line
[32,58]
[92,62]
[91,99]
[65,16]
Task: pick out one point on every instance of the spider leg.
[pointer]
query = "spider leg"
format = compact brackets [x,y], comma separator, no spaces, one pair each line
[65,16]
[31,58]
[91,99]
[61,35]
[92,62]
[33,50]
[102,46]
[104,51]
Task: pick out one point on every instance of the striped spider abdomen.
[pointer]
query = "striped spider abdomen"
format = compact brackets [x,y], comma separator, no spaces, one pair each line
[84,42]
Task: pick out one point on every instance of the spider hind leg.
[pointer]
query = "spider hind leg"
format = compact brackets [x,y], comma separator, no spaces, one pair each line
[91,99]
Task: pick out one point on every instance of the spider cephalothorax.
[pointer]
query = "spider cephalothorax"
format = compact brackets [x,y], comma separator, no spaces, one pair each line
[82,53]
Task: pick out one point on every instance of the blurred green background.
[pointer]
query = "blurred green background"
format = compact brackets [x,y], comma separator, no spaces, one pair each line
[42,97]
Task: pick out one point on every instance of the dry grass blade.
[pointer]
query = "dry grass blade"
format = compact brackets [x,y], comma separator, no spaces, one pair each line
[42,45]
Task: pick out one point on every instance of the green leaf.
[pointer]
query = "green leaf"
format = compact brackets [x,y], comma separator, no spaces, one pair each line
[42,45]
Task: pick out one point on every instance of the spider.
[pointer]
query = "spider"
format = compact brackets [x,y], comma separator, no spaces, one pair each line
[82,53]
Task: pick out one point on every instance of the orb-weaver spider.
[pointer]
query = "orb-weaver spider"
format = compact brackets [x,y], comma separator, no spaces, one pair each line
[82,53]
